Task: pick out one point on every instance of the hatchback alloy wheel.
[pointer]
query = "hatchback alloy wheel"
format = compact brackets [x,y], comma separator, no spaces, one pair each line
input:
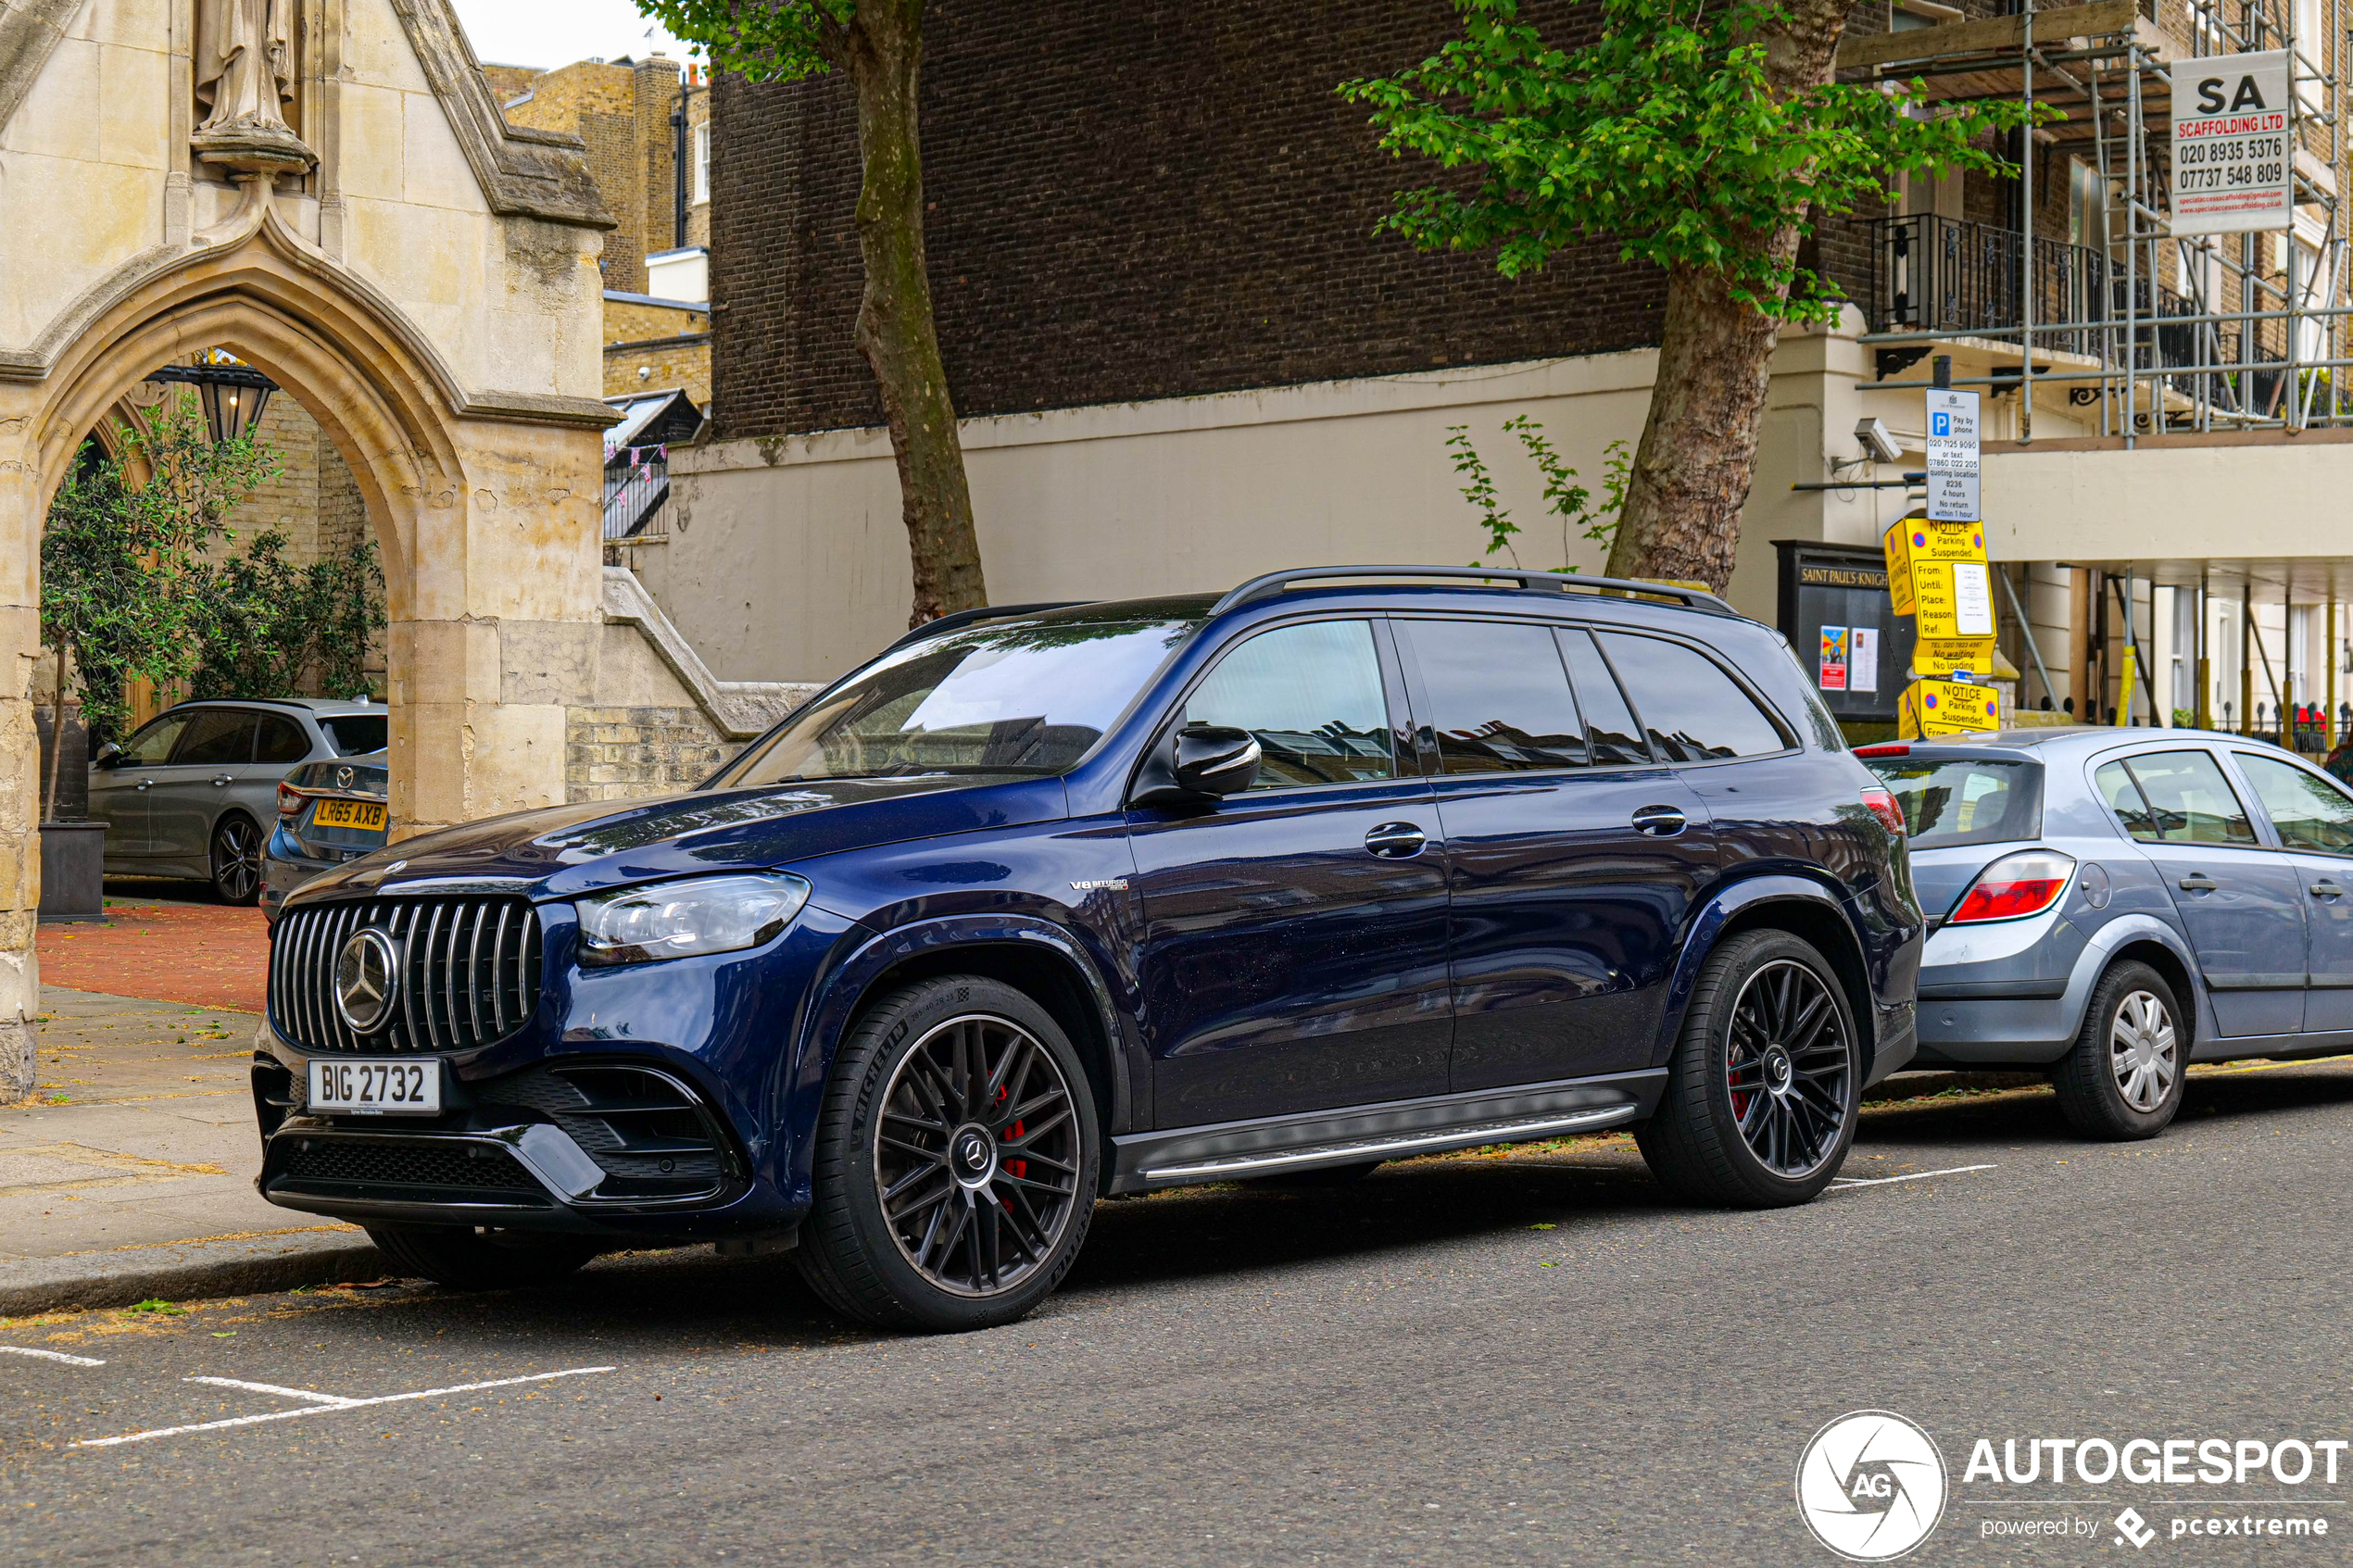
[976,1159]
[236,861]
[2142,1050]
[1788,1068]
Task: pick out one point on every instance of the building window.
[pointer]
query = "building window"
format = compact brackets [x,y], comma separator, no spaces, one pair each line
[702,162]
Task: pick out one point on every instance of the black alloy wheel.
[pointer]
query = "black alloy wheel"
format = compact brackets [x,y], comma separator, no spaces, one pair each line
[236,860]
[1787,1068]
[956,1160]
[1764,1089]
[977,1163]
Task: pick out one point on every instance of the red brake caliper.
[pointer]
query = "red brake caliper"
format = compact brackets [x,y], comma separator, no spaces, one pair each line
[1739,1096]
[1014,1168]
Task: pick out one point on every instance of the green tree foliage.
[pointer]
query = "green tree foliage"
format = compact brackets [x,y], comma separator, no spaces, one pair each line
[269,628]
[1563,497]
[1706,139]
[122,551]
[880,44]
[1667,134]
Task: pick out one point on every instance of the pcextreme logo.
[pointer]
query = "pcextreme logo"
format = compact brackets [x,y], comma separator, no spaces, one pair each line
[1871,1486]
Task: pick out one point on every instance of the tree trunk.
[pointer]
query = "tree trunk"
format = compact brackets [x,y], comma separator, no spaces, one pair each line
[896,332]
[1697,457]
[58,735]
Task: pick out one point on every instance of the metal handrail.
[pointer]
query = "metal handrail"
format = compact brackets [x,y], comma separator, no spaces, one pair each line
[1274,583]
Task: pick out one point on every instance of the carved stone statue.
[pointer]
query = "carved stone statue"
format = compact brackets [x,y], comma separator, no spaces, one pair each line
[245,69]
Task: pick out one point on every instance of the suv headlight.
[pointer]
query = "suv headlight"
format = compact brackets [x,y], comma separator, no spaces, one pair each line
[673,920]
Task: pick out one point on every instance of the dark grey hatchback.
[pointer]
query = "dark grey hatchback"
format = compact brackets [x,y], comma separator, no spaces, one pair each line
[1047,903]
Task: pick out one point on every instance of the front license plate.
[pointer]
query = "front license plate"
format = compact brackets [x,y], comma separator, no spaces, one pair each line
[377,1088]
[348,814]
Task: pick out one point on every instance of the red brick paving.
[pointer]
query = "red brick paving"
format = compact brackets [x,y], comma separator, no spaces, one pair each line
[206,955]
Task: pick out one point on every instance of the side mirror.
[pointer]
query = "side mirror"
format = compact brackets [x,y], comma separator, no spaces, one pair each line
[105,755]
[1196,765]
[1211,759]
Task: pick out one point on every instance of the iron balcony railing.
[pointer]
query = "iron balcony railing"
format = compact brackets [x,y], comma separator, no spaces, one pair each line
[636,491]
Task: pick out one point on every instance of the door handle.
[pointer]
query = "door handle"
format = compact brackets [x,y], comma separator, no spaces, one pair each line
[1659,822]
[1396,841]
[143,783]
[2198,881]
[224,779]
[2327,890]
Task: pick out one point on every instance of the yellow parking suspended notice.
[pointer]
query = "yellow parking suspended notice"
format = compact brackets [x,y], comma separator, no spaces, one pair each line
[1948,707]
[1937,573]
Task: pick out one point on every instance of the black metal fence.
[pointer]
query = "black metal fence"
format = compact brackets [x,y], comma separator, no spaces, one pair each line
[637,491]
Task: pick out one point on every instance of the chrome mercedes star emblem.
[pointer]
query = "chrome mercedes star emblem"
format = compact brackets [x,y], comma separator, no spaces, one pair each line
[367,980]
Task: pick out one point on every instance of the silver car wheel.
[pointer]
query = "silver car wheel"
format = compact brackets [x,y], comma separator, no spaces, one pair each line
[2143,1051]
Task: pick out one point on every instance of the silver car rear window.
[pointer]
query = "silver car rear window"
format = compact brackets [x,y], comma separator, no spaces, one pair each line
[1953,800]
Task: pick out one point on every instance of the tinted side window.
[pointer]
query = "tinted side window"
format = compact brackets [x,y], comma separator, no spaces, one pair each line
[1694,712]
[218,736]
[2189,801]
[1611,734]
[280,740]
[1498,697]
[2311,813]
[151,748]
[354,736]
[1313,695]
[2123,797]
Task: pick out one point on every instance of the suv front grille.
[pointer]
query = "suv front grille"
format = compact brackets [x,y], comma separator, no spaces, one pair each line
[468,975]
[422,1170]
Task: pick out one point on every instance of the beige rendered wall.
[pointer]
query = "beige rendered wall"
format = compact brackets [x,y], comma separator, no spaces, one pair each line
[787,560]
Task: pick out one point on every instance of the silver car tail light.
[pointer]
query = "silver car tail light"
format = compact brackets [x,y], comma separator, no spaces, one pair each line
[2015,887]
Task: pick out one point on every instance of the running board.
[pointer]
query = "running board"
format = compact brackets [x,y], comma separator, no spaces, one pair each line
[1398,1130]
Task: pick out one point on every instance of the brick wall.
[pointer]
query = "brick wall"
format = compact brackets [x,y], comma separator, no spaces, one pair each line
[1129,199]
[621,753]
[621,111]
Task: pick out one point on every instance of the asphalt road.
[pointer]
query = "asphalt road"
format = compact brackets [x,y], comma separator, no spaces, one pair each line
[1534,1358]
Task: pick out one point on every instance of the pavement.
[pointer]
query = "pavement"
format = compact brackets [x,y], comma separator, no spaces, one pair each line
[168,941]
[128,1175]
[1526,1357]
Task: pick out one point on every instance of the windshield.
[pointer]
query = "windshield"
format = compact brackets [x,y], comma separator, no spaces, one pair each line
[1955,800]
[1028,697]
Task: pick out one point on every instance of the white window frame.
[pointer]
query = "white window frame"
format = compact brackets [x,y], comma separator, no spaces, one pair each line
[702,162]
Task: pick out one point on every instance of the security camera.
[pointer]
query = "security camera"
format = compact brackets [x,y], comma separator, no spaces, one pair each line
[1877,442]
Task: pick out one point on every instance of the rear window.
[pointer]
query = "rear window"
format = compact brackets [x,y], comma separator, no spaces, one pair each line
[1952,800]
[354,735]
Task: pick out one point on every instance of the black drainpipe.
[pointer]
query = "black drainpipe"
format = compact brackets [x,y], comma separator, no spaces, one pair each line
[678,165]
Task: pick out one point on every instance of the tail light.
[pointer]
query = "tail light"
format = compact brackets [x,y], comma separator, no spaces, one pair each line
[1885,808]
[289,800]
[2015,887]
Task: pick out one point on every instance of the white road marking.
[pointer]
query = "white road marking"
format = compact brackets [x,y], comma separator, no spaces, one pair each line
[272,1388]
[48,1355]
[1915,1177]
[341,1404]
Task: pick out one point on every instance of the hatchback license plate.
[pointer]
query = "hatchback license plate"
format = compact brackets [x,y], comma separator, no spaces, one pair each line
[377,1088]
[348,814]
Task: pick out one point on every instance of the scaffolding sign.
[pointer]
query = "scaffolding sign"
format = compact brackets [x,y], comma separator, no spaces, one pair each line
[2233,155]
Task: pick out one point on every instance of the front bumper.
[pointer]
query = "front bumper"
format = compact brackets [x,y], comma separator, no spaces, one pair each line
[652,1104]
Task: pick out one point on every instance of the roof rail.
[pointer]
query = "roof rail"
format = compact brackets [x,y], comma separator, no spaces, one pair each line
[956,618]
[1531,582]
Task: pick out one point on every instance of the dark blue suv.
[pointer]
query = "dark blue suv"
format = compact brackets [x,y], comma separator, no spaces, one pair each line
[1052,902]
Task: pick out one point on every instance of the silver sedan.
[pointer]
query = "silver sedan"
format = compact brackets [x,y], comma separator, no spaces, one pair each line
[187,794]
[2112,905]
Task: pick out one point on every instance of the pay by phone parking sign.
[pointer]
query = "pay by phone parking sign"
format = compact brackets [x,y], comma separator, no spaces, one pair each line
[1952,456]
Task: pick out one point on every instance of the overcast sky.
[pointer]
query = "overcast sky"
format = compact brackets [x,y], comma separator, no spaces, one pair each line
[555,32]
